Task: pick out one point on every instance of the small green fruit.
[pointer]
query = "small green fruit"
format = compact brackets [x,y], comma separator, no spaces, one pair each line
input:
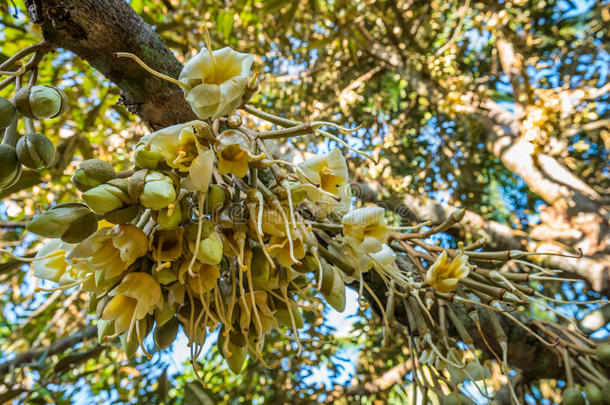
[35,151]
[573,396]
[10,169]
[7,112]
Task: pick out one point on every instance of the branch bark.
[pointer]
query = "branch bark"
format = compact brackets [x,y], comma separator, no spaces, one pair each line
[95,30]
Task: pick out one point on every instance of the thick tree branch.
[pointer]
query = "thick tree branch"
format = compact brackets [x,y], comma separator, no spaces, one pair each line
[95,30]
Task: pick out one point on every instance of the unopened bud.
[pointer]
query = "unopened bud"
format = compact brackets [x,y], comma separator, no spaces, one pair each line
[10,169]
[7,112]
[104,328]
[41,101]
[92,173]
[72,222]
[35,151]
[158,191]
[216,200]
[170,220]
[210,249]
[105,198]
[602,352]
[123,215]
[165,334]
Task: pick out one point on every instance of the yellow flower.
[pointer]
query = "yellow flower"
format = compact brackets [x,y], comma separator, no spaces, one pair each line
[110,249]
[365,229]
[280,248]
[265,314]
[166,244]
[178,146]
[443,276]
[216,81]
[54,266]
[136,296]
[327,171]
[234,153]
[207,276]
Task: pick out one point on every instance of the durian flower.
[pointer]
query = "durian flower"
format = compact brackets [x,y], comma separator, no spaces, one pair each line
[365,229]
[54,266]
[234,153]
[215,82]
[166,245]
[327,171]
[105,198]
[280,248]
[265,314]
[137,296]
[207,276]
[385,257]
[443,275]
[178,146]
[110,249]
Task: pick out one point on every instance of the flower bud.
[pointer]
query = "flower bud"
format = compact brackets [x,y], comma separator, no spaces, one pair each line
[216,200]
[10,169]
[92,173]
[572,396]
[165,276]
[170,220]
[283,316]
[7,112]
[594,394]
[602,352]
[164,312]
[123,215]
[104,328]
[165,334]
[105,198]
[35,151]
[210,249]
[41,101]
[333,287]
[237,349]
[158,191]
[72,222]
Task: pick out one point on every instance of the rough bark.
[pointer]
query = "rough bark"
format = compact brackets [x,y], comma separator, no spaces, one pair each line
[94,30]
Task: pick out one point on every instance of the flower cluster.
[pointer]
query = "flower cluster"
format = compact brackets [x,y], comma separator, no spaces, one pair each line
[210,231]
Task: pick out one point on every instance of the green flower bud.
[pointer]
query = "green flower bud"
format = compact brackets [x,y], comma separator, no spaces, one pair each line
[167,221]
[190,230]
[104,328]
[333,287]
[260,269]
[146,158]
[283,316]
[10,169]
[572,396]
[41,101]
[602,352]
[164,276]
[237,350]
[216,199]
[105,198]
[35,151]
[594,394]
[92,173]
[72,222]
[123,215]
[164,335]
[210,249]
[158,191]
[131,347]
[606,393]
[7,112]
